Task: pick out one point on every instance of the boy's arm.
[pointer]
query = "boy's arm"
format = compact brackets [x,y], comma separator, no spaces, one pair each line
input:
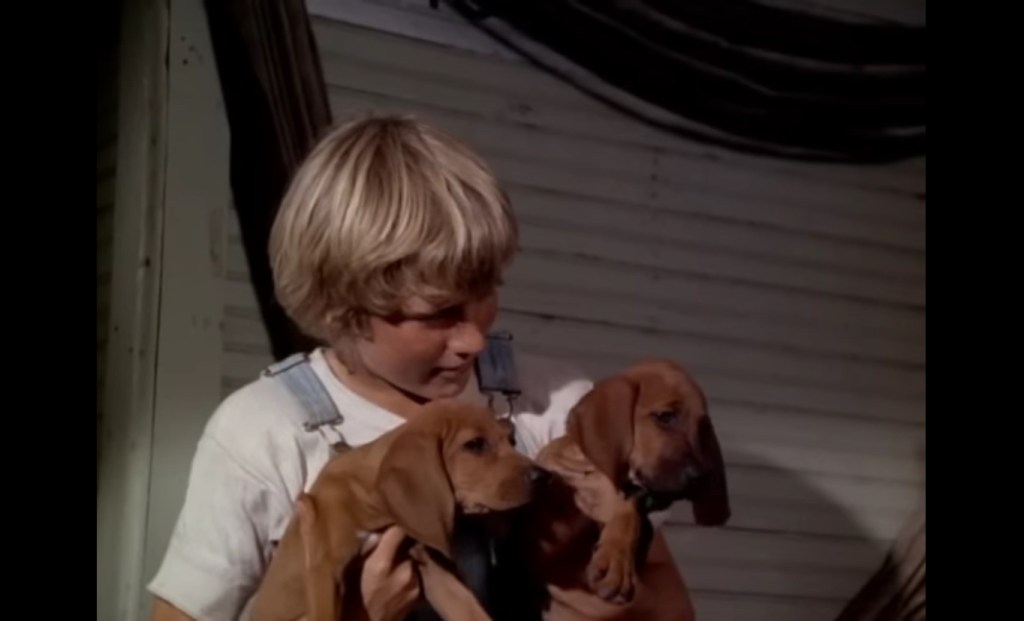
[163,610]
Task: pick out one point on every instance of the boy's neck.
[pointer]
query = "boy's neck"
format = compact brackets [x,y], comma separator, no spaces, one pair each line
[374,389]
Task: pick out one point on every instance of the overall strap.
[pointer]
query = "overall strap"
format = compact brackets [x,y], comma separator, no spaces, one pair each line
[496,370]
[298,376]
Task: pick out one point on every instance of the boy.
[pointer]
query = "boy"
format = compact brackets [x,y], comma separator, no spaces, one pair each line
[389,248]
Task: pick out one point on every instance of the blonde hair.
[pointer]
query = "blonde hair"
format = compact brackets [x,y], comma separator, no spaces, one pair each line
[383,209]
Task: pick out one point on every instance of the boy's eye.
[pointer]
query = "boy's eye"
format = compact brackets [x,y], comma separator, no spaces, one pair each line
[450,312]
[447,315]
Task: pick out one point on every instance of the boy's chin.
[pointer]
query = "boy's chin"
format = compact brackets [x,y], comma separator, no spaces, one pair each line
[446,388]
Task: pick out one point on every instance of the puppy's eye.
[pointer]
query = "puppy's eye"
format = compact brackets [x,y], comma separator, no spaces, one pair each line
[666,417]
[476,445]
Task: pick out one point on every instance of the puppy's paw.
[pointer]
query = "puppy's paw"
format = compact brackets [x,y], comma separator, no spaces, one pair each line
[611,574]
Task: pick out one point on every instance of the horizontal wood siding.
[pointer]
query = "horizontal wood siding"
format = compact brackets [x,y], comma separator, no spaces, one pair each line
[795,292]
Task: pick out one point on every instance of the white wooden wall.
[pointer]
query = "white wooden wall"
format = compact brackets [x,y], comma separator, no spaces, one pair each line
[795,292]
[130,234]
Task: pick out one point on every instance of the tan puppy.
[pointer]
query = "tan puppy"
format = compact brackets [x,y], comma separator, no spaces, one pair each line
[647,432]
[450,456]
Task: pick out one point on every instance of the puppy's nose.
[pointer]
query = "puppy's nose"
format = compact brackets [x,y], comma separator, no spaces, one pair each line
[538,475]
[692,474]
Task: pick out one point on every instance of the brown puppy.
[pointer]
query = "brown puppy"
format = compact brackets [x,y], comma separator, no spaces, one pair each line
[449,456]
[647,431]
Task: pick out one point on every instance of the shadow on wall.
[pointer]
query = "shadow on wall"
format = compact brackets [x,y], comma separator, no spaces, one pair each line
[797,548]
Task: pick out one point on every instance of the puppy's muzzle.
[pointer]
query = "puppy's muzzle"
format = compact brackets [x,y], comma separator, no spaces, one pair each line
[677,486]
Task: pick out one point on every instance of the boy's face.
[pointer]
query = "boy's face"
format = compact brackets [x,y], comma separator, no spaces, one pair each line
[427,350]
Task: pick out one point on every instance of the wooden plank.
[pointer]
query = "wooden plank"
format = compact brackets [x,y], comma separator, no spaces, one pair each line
[761,580]
[583,241]
[645,222]
[718,606]
[770,426]
[816,513]
[772,484]
[825,461]
[652,286]
[606,184]
[595,307]
[695,544]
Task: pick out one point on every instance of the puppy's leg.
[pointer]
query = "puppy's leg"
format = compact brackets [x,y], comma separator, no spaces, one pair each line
[608,572]
[325,590]
[321,589]
[612,569]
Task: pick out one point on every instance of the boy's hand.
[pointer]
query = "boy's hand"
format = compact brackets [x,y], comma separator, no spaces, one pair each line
[389,584]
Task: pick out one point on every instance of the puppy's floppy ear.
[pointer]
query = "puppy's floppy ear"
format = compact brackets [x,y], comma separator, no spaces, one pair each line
[601,424]
[711,496]
[414,485]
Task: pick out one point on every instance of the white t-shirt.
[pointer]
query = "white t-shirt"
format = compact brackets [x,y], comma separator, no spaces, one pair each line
[254,458]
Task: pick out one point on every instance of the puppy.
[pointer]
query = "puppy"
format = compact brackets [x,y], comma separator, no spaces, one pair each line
[647,432]
[450,457]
